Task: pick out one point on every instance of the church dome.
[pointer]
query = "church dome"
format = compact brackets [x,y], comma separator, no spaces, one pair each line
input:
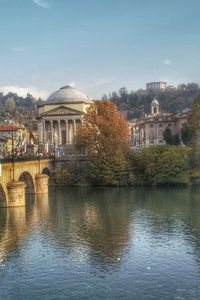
[67,94]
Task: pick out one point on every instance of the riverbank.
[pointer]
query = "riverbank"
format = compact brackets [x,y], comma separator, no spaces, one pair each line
[152,166]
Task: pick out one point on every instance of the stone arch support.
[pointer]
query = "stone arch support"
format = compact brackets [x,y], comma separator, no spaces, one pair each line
[27,178]
[41,181]
[3,197]
[16,193]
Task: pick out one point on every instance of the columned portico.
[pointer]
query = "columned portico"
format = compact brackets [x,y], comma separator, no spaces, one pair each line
[59,118]
[61,132]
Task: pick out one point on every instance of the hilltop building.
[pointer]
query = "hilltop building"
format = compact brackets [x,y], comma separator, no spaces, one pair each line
[59,117]
[157,85]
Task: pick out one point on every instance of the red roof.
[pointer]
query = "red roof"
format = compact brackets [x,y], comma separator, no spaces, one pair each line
[9,128]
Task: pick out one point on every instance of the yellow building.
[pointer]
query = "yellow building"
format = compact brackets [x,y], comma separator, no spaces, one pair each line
[60,115]
[20,136]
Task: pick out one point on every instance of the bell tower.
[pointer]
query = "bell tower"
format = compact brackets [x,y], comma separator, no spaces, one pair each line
[154,107]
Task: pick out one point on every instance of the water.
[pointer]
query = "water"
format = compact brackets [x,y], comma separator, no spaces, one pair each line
[83,243]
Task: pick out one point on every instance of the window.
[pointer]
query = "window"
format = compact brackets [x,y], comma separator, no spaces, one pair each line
[169,124]
[160,141]
[151,125]
[160,125]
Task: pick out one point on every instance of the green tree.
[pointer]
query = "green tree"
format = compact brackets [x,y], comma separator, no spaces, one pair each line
[10,104]
[194,121]
[168,137]
[161,165]
[187,134]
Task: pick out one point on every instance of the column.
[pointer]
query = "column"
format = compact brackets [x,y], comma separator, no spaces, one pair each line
[42,134]
[59,133]
[67,132]
[52,137]
[40,131]
[44,131]
[74,127]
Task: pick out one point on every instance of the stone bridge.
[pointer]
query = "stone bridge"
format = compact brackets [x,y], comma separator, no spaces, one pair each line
[22,177]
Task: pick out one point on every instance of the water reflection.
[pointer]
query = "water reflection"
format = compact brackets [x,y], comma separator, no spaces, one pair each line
[12,230]
[102,243]
[97,221]
[101,220]
[17,223]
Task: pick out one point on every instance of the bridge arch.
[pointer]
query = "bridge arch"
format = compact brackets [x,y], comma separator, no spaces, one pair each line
[47,172]
[3,197]
[28,180]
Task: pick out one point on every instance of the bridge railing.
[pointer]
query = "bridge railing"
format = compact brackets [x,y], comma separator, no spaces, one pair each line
[24,158]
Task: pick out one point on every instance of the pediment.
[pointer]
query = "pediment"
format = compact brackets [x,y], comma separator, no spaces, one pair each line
[62,111]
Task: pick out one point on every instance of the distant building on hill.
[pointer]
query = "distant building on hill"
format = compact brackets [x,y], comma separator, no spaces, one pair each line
[158,85]
[149,131]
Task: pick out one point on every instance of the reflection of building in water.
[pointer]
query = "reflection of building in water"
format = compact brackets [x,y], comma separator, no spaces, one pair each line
[13,222]
[97,221]
[16,223]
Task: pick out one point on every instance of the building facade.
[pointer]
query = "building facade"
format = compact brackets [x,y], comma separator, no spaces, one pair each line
[13,138]
[59,117]
[149,131]
[157,85]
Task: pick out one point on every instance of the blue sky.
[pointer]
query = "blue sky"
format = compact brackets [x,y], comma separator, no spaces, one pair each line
[97,45]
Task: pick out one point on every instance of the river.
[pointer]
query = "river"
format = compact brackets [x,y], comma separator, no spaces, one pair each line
[102,243]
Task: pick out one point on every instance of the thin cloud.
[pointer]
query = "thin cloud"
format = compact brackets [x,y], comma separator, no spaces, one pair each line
[23,91]
[41,3]
[167,62]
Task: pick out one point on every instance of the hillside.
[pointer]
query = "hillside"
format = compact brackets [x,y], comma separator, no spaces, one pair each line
[171,100]
[20,109]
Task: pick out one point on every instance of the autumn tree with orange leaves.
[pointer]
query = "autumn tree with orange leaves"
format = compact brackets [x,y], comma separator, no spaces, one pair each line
[104,136]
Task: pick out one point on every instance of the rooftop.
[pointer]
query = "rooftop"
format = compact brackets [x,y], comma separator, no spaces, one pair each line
[67,94]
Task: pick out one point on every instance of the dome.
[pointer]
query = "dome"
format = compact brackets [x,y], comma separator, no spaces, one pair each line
[154,102]
[67,94]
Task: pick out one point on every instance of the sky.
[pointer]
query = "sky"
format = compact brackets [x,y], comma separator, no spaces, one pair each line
[98,46]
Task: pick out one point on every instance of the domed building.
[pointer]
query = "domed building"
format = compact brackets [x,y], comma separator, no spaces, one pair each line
[60,115]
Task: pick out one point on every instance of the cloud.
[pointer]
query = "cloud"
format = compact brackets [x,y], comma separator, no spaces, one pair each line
[167,62]
[41,3]
[23,91]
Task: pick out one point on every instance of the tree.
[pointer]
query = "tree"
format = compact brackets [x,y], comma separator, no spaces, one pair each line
[171,139]
[194,121]
[161,165]
[104,135]
[187,133]
[176,140]
[10,104]
[168,137]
